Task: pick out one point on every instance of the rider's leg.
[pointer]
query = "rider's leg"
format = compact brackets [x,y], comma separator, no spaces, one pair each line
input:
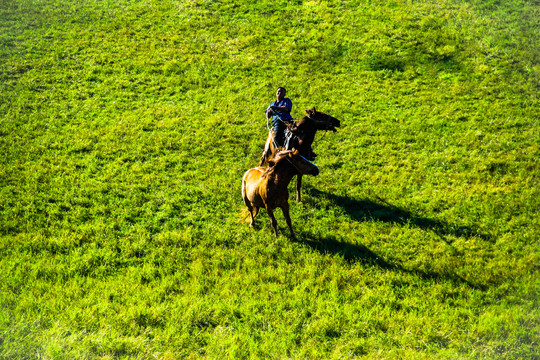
[279,129]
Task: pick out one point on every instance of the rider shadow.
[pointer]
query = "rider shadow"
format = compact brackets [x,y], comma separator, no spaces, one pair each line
[353,253]
[367,210]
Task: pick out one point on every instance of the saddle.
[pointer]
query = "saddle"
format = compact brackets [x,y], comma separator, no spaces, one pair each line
[291,142]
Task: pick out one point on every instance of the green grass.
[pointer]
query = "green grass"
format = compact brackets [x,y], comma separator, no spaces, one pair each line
[126,127]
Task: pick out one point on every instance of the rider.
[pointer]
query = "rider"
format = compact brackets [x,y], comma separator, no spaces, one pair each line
[280,110]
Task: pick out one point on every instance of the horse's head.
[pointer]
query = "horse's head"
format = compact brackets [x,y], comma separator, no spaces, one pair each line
[300,164]
[323,121]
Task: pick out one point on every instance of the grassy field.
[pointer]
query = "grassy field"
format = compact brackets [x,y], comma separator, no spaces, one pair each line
[126,127]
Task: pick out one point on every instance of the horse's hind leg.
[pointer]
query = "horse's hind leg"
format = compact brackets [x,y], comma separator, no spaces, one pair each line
[253,212]
[298,187]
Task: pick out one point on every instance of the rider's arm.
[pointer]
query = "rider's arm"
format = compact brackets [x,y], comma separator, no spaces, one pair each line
[281,108]
[269,111]
[286,108]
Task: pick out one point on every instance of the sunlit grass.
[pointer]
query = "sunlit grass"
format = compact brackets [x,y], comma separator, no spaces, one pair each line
[126,127]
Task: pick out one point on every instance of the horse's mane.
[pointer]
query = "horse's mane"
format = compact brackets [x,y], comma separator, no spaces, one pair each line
[304,120]
[280,155]
[302,125]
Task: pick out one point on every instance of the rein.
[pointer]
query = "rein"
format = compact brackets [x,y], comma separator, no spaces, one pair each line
[269,129]
[293,121]
[292,163]
[296,167]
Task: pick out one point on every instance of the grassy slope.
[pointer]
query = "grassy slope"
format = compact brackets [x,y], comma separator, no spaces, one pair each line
[126,127]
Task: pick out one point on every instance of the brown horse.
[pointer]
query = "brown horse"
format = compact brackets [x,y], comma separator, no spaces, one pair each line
[303,133]
[267,187]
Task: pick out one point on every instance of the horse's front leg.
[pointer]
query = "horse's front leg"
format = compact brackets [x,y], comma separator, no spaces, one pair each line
[285,210]
[298,186]
[273,221]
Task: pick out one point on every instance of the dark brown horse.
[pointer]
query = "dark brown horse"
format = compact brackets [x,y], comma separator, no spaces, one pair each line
[267,187]
[303,133]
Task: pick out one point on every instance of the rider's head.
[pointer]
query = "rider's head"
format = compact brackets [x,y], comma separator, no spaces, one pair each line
[280,93]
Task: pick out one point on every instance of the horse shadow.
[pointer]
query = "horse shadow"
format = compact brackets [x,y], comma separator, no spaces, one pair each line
[354,253]
[381,210]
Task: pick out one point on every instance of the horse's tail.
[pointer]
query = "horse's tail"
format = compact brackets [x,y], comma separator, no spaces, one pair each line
[244,186]
[245,213]
[245,216]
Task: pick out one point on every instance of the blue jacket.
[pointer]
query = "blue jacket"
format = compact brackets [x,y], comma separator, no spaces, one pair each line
[282,115]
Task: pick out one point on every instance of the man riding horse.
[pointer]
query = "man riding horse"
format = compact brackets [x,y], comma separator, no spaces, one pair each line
[290,134]
[283,123]
[280,110]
